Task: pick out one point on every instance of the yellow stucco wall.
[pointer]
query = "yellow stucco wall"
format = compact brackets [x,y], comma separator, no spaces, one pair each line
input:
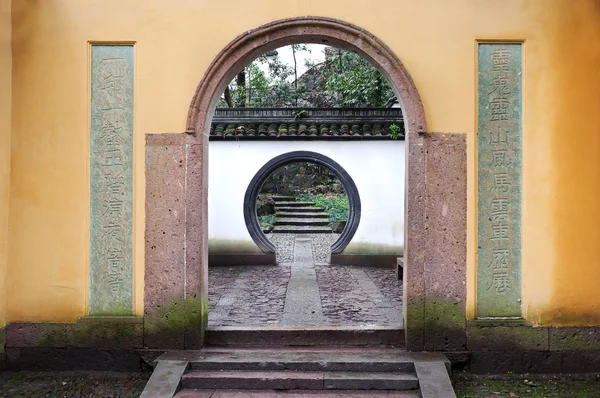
[176,40]
[5,119]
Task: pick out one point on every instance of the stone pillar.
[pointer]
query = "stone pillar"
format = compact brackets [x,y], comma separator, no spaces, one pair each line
[436,242]
[176,294]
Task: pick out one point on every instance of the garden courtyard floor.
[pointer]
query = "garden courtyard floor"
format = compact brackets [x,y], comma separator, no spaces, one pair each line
[304,290]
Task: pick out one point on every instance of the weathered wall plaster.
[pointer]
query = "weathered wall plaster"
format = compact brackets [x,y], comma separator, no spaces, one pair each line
[377,168]
[5,129]
[561,144]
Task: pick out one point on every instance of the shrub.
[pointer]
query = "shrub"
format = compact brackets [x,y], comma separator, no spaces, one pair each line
[267,222]
[336,206]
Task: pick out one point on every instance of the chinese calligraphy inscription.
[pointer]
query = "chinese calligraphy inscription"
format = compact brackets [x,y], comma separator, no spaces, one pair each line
[111,180]
[499,91]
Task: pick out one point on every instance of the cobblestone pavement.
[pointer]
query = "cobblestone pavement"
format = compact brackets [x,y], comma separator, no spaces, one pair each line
[255,296]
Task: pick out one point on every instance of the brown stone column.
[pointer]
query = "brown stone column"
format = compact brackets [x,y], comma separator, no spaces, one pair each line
[436,242]
[176,301]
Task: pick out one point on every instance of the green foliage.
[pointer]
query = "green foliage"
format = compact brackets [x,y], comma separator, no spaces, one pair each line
[351,81]
[344,79]
[337,207]
[394,131]
[267,221]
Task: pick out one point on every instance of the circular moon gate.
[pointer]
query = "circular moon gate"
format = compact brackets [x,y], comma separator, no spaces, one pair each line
[294,157]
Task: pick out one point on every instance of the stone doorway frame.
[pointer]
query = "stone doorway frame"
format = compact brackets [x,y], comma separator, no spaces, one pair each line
[176,277]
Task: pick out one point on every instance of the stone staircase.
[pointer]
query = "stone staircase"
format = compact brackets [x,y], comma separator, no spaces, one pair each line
[294,217]
[259,372]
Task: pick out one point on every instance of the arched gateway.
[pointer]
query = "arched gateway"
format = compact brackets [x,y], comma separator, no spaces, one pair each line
[176,284]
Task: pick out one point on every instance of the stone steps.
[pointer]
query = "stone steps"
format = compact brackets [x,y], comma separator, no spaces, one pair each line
[303,209]
[305,371]
[292,214]
[302,221]
[294,204]
[301,229]
[283,198]
[194,393]
[295,380]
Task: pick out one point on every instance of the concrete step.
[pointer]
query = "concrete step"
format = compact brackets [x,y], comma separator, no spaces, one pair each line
[281,198]
[328,371]
[294,204]
[310,338]
[303,209]
[196,393]
[302,221]
[293,380]
[293,214]
[301,229]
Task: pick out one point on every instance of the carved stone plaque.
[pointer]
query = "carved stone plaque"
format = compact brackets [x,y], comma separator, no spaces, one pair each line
[499,92]
[111,180]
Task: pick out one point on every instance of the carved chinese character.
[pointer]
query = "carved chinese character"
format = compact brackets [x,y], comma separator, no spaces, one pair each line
[115,184]
[499,158]
[499,108]
[500,136]
[500,58]
[111,83]
[499,259]
[112,233]
[501,182]
[499,232]
[500,85]
[500,282]
[113,157]
[113,207]
[114,281]
[499,209]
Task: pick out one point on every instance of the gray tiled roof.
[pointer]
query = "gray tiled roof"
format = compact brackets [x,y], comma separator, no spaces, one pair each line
[310,123]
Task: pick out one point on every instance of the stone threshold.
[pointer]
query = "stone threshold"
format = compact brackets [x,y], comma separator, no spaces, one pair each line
[306,336]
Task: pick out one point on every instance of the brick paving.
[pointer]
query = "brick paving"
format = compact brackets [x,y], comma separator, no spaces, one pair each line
[269,296]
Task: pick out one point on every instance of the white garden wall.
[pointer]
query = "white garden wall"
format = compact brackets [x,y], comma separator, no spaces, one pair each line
[377,168]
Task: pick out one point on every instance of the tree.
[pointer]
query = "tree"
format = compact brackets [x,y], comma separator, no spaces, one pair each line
[344,79]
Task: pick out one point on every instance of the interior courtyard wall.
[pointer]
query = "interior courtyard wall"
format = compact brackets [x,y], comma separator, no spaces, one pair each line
[48,262]
[377,168]
[5,120]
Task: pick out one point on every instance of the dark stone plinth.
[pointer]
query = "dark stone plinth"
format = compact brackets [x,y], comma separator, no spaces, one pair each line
[58,359]
[96,332]
[2,349]
[516,361]
[574,338]
[507,338]
[580,361]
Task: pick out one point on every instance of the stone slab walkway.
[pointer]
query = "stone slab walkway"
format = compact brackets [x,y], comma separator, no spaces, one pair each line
[304,293]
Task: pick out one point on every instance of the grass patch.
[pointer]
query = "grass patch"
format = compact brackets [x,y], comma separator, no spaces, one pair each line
[337,207]
[526,386]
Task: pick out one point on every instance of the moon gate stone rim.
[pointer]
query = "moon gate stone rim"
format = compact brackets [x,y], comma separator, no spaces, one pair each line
[265,171]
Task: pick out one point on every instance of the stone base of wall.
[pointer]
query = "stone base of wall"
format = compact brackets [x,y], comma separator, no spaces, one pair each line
[241,259]
[366,260]
[100,359]
[2,352]
[117,344]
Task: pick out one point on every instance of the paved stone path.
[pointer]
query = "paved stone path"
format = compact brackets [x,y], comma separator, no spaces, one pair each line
[304,293]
